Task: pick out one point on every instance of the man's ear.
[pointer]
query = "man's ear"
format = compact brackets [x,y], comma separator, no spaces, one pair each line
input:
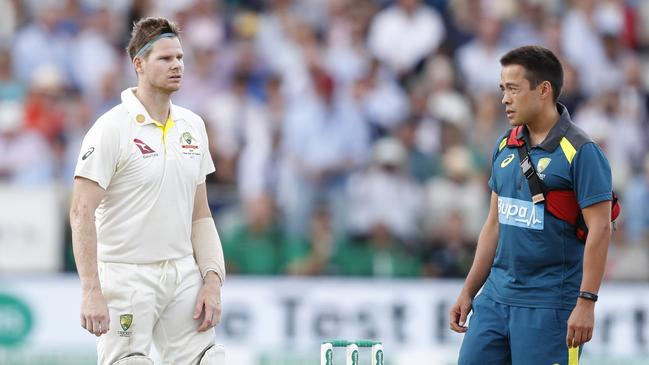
[546,89]
[137,64]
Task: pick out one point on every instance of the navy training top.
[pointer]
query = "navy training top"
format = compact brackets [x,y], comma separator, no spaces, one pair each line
[539,258]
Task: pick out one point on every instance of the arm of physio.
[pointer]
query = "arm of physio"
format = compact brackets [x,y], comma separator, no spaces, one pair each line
[582,318]
[484,257]
[208,253]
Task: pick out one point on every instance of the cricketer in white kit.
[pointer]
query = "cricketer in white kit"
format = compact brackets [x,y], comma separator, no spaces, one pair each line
[147,251]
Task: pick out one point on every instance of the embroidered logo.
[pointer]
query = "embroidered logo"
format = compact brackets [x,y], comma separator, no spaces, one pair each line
[144,148]
[186,140]
[187,137]
[125,320]
[189,145]
[88,153]
[507,160]
[542,165]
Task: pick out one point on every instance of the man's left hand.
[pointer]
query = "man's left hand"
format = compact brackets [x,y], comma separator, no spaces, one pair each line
[209,302]
[581,323]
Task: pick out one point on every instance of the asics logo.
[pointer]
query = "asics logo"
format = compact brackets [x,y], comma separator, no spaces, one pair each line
[507,160]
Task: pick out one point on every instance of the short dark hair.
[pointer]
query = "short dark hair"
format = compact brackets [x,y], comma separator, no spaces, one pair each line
[540,65]
[145,30]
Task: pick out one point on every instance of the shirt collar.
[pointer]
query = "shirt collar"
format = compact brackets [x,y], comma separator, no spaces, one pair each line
[137,111]
[558,131]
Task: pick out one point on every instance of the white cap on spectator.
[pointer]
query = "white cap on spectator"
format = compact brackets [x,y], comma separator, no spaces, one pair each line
[47,78]
[609,19]
[451,107]
[440,71]
[389,151]
[11,116]
[457,162]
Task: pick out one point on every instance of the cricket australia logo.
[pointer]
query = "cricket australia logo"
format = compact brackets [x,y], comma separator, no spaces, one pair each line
[189,145]
[186,140]
[125,320]
[542,165]
[520,213]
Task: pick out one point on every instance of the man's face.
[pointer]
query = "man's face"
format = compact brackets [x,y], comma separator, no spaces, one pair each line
[163,67]
[521,103]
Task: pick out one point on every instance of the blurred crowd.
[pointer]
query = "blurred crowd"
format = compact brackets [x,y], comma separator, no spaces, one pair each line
[350,137]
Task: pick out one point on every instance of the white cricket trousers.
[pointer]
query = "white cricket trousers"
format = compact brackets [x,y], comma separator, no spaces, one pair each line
[152,302]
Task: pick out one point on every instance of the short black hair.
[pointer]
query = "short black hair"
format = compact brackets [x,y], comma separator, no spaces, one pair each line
[540,65]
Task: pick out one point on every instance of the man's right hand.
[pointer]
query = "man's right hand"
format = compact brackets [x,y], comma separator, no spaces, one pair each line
[94,312]
[459,313]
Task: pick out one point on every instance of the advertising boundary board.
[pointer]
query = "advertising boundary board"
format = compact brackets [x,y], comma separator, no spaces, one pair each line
[274,321]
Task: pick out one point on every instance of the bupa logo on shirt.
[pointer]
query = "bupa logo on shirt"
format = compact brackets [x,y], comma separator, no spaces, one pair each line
[520,213]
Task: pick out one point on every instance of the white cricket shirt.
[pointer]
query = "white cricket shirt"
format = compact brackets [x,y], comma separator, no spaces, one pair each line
[150,174]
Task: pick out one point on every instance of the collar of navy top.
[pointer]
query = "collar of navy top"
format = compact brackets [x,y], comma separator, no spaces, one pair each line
[558,131]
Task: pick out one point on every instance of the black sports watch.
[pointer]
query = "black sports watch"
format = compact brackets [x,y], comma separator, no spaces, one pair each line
[588,295]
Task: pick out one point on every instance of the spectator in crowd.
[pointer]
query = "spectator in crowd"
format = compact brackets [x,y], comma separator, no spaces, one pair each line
[258,164]
[234,120]
[256,246]
[456,191]
[421,165]
[526,26]
[624,148]
[9,20]
[449,253]
[41,43]
[11,89]
[314,257]
[43,107]
[25,157]
[383,101]
[478,59]
[379,254]
[346,54]
[635,204]
[95,55]
[404,34]
[316,167]
[592,34]
[571,95]
[386,195]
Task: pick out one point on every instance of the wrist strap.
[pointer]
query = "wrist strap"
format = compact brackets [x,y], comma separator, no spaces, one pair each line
[588,295]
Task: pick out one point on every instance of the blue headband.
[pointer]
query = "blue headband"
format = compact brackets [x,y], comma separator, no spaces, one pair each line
[150,43]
